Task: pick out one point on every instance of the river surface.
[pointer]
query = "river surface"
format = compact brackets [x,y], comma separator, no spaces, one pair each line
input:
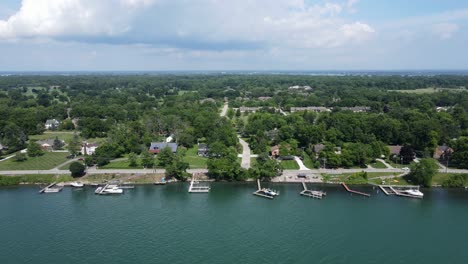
[165,224]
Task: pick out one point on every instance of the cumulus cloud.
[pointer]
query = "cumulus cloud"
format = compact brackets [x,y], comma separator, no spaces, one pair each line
[445,30]
[194,25]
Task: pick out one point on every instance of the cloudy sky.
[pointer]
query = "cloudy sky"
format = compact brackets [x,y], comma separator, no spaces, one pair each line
[69,35]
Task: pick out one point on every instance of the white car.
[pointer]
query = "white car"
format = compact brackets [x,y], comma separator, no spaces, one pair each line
[405,168]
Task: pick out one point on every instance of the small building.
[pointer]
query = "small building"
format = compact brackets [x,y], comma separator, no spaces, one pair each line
[275,151]
[52,124]
[316,109]
[395,150]
[46,144]
[264,98]
[2,147]
[442,152]
[156,147]
[318,148]
[88,148]
[203,150]
[357,109]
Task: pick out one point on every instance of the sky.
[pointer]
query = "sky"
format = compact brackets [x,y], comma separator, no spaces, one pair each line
[223,35]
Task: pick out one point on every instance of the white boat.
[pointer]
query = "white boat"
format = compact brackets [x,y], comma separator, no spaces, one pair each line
[76,184]
[112,190]
[414,192]
[52,190]
[270,192]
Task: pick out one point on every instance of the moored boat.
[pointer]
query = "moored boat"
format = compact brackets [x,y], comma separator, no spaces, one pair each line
[76,184]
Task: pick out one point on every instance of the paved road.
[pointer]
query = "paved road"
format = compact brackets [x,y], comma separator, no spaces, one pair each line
[225,108]
[245,154]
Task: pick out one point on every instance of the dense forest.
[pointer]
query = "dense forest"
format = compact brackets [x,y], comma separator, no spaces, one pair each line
[131,111]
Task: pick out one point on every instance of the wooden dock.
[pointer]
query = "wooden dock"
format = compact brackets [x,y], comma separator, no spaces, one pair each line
[196,188]
[352,191]
[43,190]
[310,193]
[102,189]
[261,191]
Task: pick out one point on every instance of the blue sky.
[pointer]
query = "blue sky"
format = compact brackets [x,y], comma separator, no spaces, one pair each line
[70,35]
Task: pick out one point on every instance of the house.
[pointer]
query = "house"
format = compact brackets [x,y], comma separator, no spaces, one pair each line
[203,150]
[2,147]
[264,98]
[316,109]
[88,148]
[156,147]
[275,151]
[357,109]
[46,144]
[299,87]
[51,124]
[318,148]
[395,150]
[442,152]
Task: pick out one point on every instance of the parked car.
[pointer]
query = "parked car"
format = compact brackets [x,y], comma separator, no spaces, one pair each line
[302,175]
[405,168]
[70,156]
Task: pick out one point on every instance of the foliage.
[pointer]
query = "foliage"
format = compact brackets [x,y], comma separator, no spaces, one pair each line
[77,169]
[133,159]
[147,159]
[57,144]
[456,181]
[74,145]
[20,157]
[265,168]
[423,171]
[34,149]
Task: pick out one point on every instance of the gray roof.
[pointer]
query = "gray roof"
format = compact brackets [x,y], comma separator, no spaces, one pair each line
[158,146]
[52,122]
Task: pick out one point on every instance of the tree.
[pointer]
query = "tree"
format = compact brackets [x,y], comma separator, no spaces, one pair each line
[147,159]
[407,154]
[132,158]
[34,149]
[77,169]
[165,156]
[20,157]
[177,168]
[265,167]
[74,145]
[423,171]
[67,125]
[58,144]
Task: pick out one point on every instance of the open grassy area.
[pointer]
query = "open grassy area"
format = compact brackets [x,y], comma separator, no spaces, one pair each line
[192,158]
[378,165]
[429,90]
[62,135]
[348,178]
[47,161]
[394,181]
[308,161]
[289,165]
[33,179]
[125,164]
[439,178]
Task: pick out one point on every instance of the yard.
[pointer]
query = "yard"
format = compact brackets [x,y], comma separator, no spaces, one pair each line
[47,161]
[123,164]
[378,165]
[192,158]
[289,165]
[62,135]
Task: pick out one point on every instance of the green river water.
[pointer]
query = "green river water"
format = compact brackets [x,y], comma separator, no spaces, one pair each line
[165,224]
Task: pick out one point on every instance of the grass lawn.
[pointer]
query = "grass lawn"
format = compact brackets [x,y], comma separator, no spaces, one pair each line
[289,165]
[192,158]
[122,164]
[45,162]
[378,165]
[308,161]
[394,181]
[439,178]
[63,135]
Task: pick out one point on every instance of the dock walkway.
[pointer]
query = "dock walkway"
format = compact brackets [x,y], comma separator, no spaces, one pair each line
[396,190]
[196,188]
[47,187]
[262,191]
[310,193]
[352,191]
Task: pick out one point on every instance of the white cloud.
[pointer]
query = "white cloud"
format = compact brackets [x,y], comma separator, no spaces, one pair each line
[445,30]
[55,18]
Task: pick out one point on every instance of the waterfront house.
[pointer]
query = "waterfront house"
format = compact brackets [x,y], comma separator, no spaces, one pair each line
[275,151]
[88,148]
[395,150]
[156,147]
[52,124]
[203,150]
[442,152]
[46,144]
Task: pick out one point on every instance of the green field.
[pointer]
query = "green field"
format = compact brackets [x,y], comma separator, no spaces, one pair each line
[62,135]
[429,90]
[289,165]
[378,165]
[194,161]
[47,161]
[308,161]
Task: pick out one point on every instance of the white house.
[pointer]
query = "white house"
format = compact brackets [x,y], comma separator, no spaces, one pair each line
[88,148]
[51,124]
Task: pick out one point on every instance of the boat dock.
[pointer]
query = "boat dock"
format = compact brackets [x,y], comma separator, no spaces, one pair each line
[261,191]
[195,186]
[100,191]
[312,194]
[352,191]
[397,190]
[49,187]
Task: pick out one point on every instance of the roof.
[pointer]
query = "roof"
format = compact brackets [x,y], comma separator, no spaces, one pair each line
[52,122]
[156,147]
[318,147]
[276,147]
[202,146]
[395,150]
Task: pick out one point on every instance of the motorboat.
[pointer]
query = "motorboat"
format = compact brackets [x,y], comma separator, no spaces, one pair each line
[52,190]
[413,192]
[112,190]
[76,184]
[270,192]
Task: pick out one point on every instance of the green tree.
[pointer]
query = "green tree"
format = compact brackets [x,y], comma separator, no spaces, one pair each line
[265,167]
[177,169]
[34,149]
[77,169]
[58,144]
[133,159]
[165,156]
[147,159]
[74,145]
[20,157]
[423,171]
